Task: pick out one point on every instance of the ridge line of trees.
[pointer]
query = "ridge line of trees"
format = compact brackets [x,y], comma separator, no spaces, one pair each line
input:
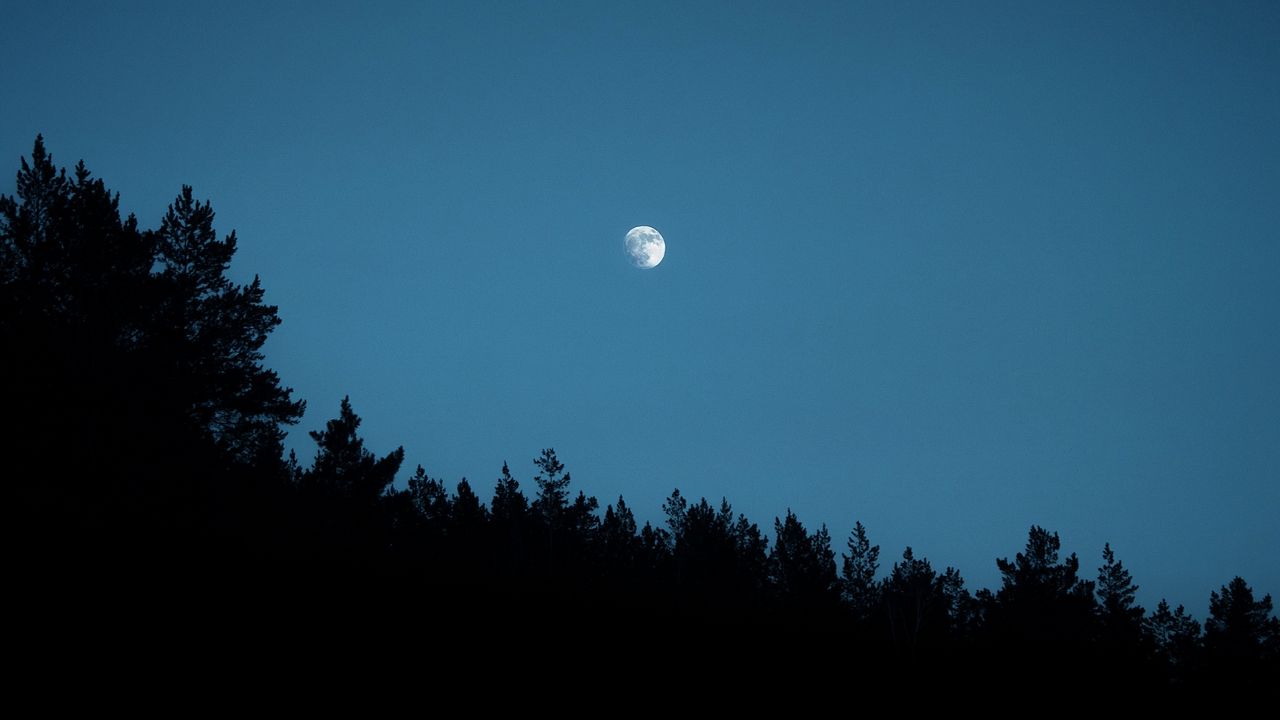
[147,438]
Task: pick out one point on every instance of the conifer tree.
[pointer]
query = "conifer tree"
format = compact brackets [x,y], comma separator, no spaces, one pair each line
[343,467]
[215,330]
[858,586]
[1120,615]
[802,567]
[1241,629]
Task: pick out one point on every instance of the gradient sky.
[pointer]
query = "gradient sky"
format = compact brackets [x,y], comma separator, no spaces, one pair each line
[948,268]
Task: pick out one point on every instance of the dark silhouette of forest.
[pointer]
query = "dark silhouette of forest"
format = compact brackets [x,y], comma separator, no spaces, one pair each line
[145,478]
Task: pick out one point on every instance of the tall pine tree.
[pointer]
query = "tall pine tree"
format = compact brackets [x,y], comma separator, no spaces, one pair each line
[215,330]
[858,586]
[343,468]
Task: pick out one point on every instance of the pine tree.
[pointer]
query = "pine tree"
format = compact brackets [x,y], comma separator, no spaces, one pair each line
[917,604]
[343,467]
[29,243]
[655,551]
[75,283]
[86,422]
[215,330]
[580,519]
[430,499]
[468,515]
[1037,572]
[858,585]
[719,563]
[1120,616]
[568,529]
[509,504]
[553,488]
[676,508]
[146,422]
[510,518]
[618,541]
[752,548]
[1043,609]
[802,567]
[1240,629]
[149,317]
[961,608]
[467,537]
[1176,636]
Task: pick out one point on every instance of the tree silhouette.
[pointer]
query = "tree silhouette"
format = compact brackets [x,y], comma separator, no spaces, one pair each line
[137,329]
[1121,636]
[468,534]
[430,499]
[510,516]
[145,406]
[509,504]
[567,528]
[553,488]
[1242,635]
[1176,636]
[343,467]
[962,609]
[1116,592]
[74,290]
[70,262]
[215,330]
[347,503]
[654,555]
[468,515]
[802,567]
[926,612]
[1043,610]
[718,563]
[914,602]
[144,451]
[858,585]
[619,543]
[750,545]
[580,519]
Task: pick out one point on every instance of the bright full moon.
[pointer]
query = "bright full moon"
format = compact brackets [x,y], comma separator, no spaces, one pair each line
[645,247]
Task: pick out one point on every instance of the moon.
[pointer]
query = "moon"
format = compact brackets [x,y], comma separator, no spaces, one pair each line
[645,247]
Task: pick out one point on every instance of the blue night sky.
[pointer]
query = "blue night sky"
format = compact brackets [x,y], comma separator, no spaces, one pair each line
[947,268]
